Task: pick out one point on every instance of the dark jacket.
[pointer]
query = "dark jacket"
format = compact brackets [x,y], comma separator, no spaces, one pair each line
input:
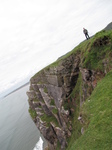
[85,31]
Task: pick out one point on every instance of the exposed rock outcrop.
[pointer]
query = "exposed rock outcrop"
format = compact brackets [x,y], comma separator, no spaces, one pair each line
[48,90]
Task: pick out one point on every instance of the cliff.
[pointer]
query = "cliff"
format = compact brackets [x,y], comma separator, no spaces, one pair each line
[58,92]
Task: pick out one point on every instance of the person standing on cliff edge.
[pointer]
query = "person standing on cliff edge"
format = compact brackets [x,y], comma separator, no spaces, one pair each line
[85,31]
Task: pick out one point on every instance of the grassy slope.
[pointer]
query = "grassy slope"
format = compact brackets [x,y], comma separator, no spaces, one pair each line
[98,108]
[76,131]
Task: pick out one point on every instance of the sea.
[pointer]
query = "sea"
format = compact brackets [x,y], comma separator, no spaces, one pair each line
[17,130]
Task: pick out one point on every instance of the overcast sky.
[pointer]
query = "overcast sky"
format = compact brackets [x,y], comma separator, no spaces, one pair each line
[34,33]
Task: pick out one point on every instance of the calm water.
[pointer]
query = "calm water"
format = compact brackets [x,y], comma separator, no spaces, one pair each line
[17,130]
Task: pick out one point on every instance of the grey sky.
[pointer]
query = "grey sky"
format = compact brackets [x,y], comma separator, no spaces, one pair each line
[34,33]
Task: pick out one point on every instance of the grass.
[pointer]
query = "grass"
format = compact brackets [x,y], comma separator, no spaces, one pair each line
[95,111]
[49,119]
[33,113]
[98,108]
[45,90]
[52,102]
[75,99]
[35,100]
[95,53]
[92,53]
[55,111]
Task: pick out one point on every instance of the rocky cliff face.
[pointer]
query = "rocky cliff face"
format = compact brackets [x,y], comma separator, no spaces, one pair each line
[51,104]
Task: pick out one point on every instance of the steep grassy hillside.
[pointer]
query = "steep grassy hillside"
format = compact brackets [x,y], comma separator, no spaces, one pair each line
[97,111]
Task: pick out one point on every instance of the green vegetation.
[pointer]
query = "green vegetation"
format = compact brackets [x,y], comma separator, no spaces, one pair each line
[58,145]
[55,110]
[35,100]
[45,90]
[32,113]
[99,47]
[52,102]
[98,109]
[75,99]
[93,54]
[49,119]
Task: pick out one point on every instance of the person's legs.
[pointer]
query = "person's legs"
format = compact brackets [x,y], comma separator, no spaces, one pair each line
[86,36]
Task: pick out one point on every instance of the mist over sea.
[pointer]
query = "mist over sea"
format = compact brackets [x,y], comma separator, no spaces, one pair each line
[17,130]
